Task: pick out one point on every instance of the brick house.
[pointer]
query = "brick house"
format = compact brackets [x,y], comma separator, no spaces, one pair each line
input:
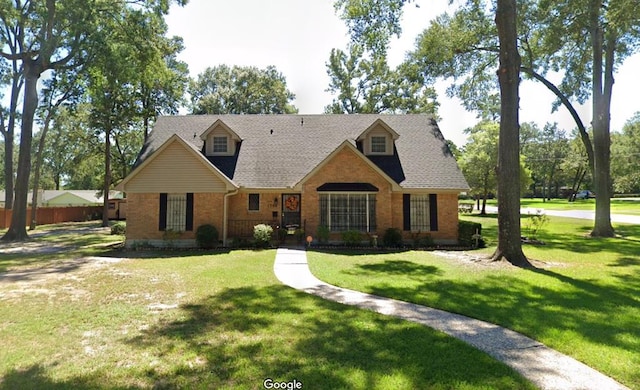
[344,172]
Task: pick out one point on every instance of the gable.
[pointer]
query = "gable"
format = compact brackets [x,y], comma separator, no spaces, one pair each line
[347,165]
[68,198]
[176,167]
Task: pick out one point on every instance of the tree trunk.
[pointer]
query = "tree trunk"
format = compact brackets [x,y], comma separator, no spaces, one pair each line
[18,228]
[107,176]
[601,122]
[36,173]
[16,86]
[509,241]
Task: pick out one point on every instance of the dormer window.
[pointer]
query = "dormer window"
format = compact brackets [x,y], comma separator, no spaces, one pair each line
[220,145]
[220,140]
[378,139]
[378,144]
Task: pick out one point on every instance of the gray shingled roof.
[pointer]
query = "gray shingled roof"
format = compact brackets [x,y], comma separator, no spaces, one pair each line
[283,157]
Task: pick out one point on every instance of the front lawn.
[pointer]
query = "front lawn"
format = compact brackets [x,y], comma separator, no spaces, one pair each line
[582,300]
[199,320]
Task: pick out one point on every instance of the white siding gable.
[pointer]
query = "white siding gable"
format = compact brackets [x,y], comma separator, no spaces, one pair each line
[176,169]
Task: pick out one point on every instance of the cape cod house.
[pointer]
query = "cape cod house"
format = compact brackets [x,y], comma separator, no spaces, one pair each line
[342,172]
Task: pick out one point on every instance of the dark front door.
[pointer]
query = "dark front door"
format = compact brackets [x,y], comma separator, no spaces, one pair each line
[291,210]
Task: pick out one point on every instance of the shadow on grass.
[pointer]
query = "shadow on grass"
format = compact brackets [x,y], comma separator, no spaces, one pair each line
[35,377]
[249,334]
[574,238]
[597,312]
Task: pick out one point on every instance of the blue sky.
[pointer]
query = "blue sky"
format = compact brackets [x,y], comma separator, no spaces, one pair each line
[297,36]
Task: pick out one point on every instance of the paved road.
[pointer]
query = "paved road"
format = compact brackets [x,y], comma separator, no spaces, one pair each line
[581,214]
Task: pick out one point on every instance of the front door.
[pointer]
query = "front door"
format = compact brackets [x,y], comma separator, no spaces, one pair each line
[291,210]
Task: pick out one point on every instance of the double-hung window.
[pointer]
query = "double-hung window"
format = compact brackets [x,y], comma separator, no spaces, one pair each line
[348,211]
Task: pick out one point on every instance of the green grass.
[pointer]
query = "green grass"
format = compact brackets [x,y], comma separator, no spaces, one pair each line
[218,320]
[629,206]
[583,300]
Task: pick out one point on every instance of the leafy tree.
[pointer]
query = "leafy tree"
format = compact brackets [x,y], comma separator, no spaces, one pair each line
[50,35]
[241,90]
[368,85]
[576,166]
[545,152]
[625,165]
[479,160]
[130,79]
[58,90]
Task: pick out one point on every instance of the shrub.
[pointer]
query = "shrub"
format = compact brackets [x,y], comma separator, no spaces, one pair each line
[466,231]
[282,234]
[392,238]
[323,234]
[262,234]
[119,228]
[351,237]
[207,236]
[423,241]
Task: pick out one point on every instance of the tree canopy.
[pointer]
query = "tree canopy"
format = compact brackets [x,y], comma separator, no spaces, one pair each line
[241,90]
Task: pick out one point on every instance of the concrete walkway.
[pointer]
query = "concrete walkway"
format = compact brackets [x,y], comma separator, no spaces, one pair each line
[545,367]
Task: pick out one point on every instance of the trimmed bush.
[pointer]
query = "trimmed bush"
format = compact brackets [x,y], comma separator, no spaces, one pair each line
[392,238]
[466,231]
[207,236]
[119,228]
[323,234]
[352,238]
[262,234]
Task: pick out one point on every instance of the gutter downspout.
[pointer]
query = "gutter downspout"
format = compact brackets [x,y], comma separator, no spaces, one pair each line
[224,215]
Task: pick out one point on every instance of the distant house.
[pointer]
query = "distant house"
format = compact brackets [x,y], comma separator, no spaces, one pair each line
[68,198]
[340,172]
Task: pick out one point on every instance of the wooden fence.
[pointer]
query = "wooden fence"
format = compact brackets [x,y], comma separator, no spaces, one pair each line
[49,215]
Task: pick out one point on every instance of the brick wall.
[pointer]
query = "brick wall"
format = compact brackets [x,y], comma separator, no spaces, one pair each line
[447,218]
[143,219]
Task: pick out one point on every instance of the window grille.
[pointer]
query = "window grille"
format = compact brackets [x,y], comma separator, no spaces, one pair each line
[419,208]
[219,144]
[176,212]
[341,212]
[254,202]
[378,144]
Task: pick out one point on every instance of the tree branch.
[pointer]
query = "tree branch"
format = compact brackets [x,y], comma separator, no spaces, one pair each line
[586,140]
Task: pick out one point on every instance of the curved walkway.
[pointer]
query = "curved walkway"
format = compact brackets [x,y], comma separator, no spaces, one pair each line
[545,367]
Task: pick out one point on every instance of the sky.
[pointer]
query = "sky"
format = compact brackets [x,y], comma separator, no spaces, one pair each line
[297,36]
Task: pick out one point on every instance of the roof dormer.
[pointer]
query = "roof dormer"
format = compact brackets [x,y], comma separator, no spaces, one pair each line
[378,139]
[220,140]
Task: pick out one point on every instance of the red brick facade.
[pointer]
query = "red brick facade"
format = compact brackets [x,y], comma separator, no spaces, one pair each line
[346,166]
